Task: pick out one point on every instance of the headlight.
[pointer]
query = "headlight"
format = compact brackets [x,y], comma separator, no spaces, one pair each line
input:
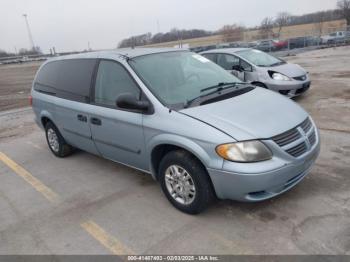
[280,77]
[249,151]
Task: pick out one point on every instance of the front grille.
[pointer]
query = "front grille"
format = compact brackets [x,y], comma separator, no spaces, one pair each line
[298,140]
[300,78]
[312,138]
[306,125]
[297,150]
[287,137]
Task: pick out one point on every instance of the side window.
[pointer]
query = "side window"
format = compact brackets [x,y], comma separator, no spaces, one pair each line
[69,79]
[227,61]
[211,57]
[111,81]
[246,66]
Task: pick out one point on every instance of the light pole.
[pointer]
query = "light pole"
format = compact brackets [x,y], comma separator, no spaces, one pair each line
[29,32]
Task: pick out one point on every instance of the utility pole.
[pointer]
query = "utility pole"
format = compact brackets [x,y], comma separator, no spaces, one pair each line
[158,27]
[29,32]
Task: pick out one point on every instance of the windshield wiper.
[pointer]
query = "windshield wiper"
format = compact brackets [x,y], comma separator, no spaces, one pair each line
[218,88]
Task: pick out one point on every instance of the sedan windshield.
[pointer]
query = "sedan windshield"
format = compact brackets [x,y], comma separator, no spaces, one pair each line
[178,77]
[260,58]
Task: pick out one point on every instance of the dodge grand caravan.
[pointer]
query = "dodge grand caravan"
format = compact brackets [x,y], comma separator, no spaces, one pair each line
[196,128]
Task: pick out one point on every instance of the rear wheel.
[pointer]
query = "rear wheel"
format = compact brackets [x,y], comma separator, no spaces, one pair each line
[56,142]
[185,182]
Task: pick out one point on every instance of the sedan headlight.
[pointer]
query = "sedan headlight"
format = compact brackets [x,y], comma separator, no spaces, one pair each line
[244,152]
[280,77]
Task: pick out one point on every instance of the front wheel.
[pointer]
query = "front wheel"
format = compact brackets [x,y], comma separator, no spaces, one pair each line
[185,182]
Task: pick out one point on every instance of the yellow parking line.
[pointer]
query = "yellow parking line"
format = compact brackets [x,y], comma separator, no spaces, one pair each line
[110,242]
[34,182]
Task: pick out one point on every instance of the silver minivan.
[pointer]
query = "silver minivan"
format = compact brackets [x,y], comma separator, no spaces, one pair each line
[261,69]
[197,129]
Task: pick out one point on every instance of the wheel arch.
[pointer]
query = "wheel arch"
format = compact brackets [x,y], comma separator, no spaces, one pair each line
[163,144]
[45,117]
[258,83]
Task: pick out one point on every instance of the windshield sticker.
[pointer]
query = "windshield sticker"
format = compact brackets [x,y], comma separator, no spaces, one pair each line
[201,58]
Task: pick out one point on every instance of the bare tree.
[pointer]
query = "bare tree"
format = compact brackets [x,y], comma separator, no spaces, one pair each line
[266,27]
[344,6]
[231,33]
[282,20]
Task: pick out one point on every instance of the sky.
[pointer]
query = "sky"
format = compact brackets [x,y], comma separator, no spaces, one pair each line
[69,25]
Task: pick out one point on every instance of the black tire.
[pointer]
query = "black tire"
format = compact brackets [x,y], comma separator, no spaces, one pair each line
[63,148]
[204,191]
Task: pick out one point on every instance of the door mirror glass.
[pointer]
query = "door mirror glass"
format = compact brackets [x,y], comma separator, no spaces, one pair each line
[129,101]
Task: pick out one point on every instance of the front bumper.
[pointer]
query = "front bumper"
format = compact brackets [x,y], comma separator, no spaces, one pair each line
[259,186]
[289,88]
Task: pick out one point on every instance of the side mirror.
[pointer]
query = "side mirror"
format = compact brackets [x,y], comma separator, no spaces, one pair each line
[238,68]
[129,101]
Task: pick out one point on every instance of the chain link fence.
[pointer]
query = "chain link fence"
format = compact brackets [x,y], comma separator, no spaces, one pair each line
[310,37]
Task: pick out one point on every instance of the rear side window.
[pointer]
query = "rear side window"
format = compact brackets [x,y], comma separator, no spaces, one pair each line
[113,80]
[69,79]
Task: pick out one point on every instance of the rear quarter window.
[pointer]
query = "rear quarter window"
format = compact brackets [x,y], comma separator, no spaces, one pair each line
[69,79]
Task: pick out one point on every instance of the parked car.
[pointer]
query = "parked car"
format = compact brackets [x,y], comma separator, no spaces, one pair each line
[262,69]
[304,41]
[280,44]
[197,49]
[194,127]
[336,37]
[266,46]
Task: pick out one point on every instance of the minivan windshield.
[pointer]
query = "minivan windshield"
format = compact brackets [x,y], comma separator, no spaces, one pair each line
[260,58]
[180,76]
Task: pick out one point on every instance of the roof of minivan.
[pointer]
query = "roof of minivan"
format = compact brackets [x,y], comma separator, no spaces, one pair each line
[129,52]
[225,50]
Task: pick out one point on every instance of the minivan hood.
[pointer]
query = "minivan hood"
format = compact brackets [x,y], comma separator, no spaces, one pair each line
[291,70]
[258,114]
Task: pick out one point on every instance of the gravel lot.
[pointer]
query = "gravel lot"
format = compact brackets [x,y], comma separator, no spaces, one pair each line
[15,83]
[93,206]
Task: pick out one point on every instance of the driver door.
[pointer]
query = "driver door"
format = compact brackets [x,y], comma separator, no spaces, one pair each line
[117,133]
[228,62]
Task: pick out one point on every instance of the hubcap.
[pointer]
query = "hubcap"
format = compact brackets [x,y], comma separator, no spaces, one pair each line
[180,185]
[53,140]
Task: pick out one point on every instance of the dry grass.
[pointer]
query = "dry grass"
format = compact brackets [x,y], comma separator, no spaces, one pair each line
[287,32]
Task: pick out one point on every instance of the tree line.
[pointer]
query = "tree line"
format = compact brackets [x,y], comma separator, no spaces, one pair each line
[234,32]
[22,52]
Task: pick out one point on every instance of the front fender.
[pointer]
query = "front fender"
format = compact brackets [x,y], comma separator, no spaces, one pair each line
[183,142]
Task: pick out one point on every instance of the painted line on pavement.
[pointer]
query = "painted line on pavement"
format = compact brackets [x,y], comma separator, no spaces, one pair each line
[110,242]
[48,193]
